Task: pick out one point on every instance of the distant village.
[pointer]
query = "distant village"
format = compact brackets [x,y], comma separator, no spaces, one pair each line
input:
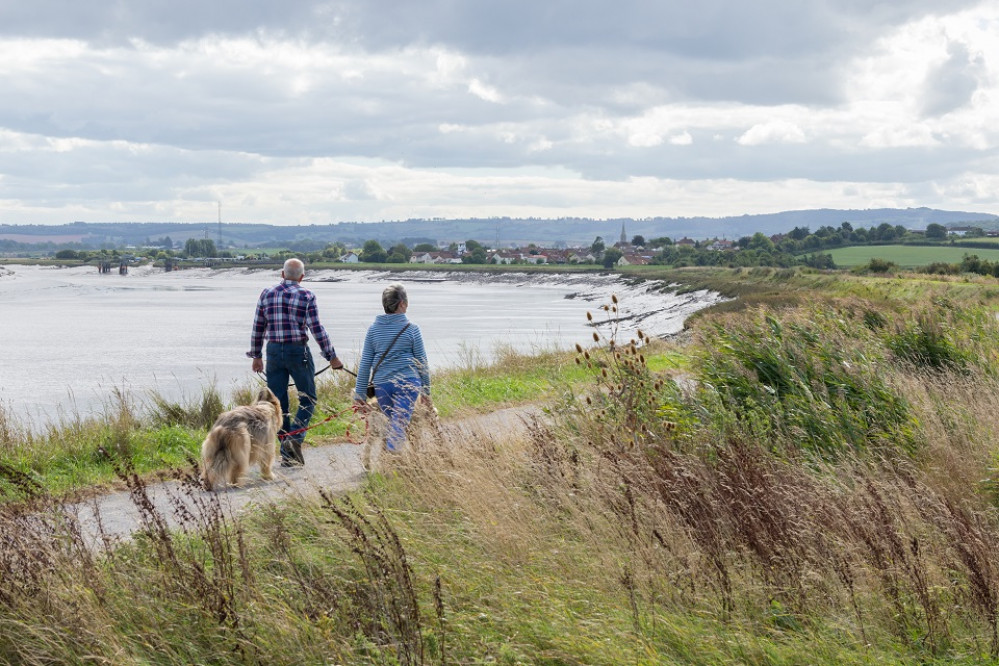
[799,246]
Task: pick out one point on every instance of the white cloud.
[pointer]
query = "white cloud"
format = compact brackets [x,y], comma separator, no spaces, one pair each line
[644,140]
[483,91]
[772,132]
[682,139]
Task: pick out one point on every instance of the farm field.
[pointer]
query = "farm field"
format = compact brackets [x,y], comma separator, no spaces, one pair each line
[907,256]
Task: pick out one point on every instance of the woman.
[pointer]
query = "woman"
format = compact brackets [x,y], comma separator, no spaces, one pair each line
[395,362]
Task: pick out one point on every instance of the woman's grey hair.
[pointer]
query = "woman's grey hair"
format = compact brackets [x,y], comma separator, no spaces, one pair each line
[394,296]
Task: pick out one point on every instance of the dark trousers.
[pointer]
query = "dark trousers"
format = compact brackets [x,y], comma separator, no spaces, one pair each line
[292,361]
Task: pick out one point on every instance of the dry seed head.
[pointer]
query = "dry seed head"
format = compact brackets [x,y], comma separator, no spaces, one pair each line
[589,400]
[596,338]
[579,348]
[614,298]
[641,336]
[589,316]
[586,355]
[603,371]
[578,362]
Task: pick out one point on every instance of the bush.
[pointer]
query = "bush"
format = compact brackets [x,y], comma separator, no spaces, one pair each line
[814,381]
[876,265]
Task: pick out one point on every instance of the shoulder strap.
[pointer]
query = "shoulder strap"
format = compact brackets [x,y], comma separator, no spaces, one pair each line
[387,349]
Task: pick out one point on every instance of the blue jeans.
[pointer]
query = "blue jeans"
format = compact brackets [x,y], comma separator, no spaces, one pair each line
[397,398]
[292,360]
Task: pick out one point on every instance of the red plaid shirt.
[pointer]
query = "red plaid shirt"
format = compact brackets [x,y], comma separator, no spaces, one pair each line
[284,312]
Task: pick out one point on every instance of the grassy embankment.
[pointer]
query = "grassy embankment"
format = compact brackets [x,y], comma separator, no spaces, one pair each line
[808,481]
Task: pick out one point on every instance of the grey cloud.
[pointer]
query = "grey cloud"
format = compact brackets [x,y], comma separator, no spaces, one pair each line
[952,84]
[116,21]
[713,29]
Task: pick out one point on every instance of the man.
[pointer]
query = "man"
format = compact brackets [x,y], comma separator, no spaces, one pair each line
[283,314]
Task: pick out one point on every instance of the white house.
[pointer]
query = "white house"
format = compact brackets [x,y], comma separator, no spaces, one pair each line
[421,258]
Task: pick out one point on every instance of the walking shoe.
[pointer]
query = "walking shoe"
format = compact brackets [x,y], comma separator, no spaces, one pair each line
[296,452]
[291,462]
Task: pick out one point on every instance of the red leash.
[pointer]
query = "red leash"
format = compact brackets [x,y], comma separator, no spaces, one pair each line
[352,408]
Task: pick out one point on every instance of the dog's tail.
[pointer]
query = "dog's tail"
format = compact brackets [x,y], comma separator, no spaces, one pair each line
[220,454]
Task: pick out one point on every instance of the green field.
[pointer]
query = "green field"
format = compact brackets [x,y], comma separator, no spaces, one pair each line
[907,256]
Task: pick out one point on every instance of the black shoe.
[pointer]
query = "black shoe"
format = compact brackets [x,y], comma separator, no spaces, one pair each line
[291,462]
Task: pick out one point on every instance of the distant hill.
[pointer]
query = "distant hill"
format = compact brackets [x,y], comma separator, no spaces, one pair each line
[503,231]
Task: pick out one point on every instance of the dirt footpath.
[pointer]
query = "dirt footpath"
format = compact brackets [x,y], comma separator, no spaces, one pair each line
[333,467]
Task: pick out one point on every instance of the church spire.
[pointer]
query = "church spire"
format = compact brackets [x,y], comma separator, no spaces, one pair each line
[624,234]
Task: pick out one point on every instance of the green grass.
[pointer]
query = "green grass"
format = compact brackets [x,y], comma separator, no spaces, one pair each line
[907,256]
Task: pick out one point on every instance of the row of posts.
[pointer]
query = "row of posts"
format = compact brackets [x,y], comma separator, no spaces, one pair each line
[105,267]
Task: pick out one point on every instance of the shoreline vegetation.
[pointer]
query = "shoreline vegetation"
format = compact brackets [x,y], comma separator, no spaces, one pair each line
[806,475]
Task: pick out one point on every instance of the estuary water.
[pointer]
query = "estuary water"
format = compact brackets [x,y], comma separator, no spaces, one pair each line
[71,338]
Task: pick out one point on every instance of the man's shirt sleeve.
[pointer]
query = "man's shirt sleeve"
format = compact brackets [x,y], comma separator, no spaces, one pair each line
[319,333]
[259,327]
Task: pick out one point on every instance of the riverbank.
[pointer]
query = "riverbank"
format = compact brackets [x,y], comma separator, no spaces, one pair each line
[650,304]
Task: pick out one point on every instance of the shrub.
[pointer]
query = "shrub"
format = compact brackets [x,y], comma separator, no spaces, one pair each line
[814,380]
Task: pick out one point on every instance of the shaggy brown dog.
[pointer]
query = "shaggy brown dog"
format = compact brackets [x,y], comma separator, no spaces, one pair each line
[239,438]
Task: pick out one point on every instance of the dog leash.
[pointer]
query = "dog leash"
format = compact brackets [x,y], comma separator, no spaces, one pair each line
[263,377]
[352,408]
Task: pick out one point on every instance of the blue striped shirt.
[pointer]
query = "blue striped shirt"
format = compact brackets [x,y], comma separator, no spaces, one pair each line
[406,359]
[283,314]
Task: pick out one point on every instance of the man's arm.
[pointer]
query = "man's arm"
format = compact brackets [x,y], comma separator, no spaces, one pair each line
[257,334]
[319,333]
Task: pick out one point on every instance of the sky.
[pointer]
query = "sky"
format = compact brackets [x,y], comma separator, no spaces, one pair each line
[311,112]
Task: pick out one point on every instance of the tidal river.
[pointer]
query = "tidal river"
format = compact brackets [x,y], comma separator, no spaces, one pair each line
[71,338]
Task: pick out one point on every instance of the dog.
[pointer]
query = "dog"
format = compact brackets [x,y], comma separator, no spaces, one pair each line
[239,438]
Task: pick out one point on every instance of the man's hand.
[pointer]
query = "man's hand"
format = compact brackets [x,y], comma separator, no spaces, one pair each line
[336,364]
[258,365]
